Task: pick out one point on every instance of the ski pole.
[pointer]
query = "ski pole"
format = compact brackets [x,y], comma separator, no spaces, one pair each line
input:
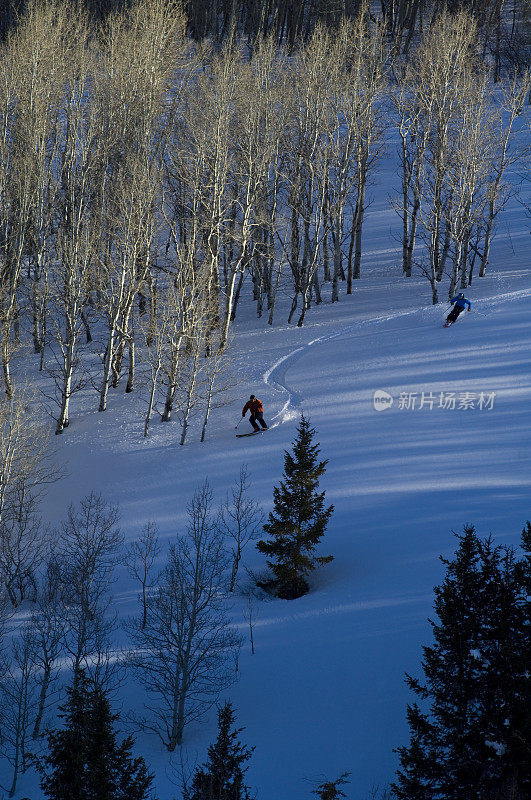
[236,426]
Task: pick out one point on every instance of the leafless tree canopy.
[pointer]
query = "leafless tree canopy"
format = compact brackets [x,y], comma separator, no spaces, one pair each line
[151,183]
[185,653]
[25,469]
[240,519]
[90,541]
[504,26]
[455,146]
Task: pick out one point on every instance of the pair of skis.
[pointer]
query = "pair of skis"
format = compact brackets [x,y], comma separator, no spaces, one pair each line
[251,433]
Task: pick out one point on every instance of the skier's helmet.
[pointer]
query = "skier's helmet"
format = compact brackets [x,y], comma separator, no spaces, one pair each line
[460,295]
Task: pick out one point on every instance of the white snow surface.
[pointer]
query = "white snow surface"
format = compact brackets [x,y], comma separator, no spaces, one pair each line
[324,692]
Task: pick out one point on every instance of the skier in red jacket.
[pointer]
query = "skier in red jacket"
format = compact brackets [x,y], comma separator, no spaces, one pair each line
[254,405]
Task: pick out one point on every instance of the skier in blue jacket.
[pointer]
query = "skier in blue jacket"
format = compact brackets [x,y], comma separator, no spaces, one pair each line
[459,302]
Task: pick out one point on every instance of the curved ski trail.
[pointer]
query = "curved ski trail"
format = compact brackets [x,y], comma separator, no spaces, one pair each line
[275,376]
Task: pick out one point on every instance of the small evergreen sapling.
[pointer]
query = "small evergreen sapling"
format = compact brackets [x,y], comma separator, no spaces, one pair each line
[222,777]
[299,518]
[84,761]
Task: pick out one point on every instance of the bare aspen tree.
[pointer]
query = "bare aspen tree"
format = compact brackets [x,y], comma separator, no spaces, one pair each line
[23,443]
[6,610]
[185,654]
[197,345]
[251,617]
[240,520]
[193,300]
[341,173]
[199,158]
[41,52]
[8,94]
[266,84]
[215,97]
[367,60]
[22,546]
[125,270]
[157,330]
[140,558]
[15,203]
[184,355]
[356,94]
[17,692]
[446,58]
[255,142]
[77,223]
[214,368]
[48,628]
[506,155]
[89,544]
[413,132]
[470,158]
[24,471]
[183,340]
[264,115]
[132,83]
[171,333]
[306,166]
[249,612]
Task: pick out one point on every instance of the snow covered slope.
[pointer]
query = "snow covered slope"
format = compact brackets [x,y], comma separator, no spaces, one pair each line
[324,692]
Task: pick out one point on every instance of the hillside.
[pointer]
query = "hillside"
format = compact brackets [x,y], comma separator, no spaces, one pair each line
[324,691]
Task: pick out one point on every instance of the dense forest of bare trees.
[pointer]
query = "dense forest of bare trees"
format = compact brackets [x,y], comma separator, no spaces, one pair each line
[503,24]
[454,151]
[145,177]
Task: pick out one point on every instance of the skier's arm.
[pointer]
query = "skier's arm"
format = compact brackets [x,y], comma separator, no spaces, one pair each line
[245,409]
[469,305]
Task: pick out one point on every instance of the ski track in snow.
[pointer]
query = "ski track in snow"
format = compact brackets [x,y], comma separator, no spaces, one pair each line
[275,376]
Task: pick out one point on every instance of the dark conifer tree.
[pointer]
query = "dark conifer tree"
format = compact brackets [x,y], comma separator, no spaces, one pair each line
[114,774]
[329,790]
[84,761]
[64,768]
[222,777]
[299,518]
[472,741]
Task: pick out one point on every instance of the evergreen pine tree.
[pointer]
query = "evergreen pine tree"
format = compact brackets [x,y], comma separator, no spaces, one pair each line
[329,790]
[113,773]
[299,518]
[64,768]
[222,777]
[472,740]
[84,761]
